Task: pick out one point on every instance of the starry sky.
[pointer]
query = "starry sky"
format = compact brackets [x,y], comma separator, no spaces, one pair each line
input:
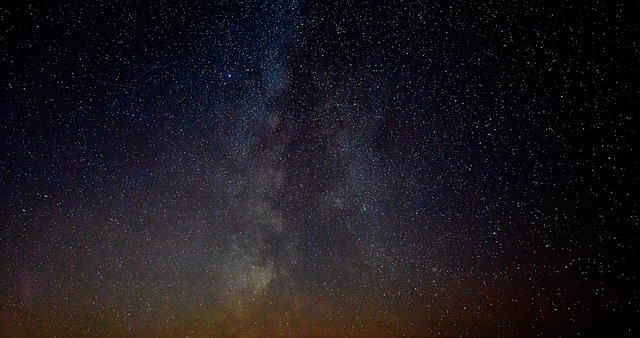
[317,169]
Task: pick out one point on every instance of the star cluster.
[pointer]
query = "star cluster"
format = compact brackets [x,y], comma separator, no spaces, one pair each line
[301,168]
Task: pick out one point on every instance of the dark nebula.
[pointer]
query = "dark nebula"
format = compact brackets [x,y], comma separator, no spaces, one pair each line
[308,169]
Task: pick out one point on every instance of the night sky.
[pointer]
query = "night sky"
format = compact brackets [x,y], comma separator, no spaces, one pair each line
[307,169]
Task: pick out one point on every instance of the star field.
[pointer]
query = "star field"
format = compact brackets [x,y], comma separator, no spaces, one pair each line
[309,169]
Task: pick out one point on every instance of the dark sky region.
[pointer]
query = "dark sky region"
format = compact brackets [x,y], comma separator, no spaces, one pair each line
[309,169]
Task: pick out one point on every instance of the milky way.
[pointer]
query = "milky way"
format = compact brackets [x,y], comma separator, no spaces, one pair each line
[307,169]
